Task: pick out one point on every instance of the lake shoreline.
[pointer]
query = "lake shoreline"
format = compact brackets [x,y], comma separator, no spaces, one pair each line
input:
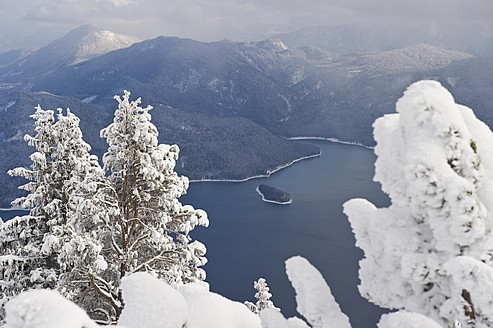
[313,226]
[13,209]
[335,140]
[268,174]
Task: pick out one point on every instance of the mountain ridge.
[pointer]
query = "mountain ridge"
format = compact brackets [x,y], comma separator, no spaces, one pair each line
[210,147]
[363,38]
[230,105]
[81,44]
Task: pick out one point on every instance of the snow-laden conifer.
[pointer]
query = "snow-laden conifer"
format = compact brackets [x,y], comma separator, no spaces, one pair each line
[262,296]
[145,227]
[83,252]
[30,244]
[431,251]
[87,229]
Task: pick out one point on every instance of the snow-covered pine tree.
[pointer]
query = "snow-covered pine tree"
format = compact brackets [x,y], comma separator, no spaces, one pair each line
[431,251]
[262,295]
[86,230]
[29,244]
[71,163]
[86,273]
[149,229]
[22,238]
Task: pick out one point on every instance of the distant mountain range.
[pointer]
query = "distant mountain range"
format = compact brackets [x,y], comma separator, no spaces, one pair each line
[228,105]
[473,38]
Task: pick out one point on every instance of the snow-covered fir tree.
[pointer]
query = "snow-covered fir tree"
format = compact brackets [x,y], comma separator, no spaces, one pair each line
[148,230]
[93,205]
[87,229]
[22,238]
[29,244]
[431,251]
[262,295]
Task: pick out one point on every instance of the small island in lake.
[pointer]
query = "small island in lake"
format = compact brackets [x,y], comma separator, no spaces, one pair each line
[273,195]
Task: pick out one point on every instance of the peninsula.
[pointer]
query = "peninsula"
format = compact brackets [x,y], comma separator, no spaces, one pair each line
[273,195]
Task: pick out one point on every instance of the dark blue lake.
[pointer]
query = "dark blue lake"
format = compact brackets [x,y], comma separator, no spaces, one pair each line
[7,214]
[248,238]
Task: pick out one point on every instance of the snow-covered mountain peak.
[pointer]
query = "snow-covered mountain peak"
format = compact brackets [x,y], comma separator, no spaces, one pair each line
[81,44]
[86,42]
[276,45]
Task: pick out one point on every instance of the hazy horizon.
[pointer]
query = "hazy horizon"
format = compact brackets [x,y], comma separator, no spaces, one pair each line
[35,23]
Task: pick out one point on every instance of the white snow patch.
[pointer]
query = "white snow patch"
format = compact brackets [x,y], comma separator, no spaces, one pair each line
[211,310]
[101,263]
[313,296]
[45,309]
[7,106]
[298,75]
[273,318]
[451,81]
[286,100]
[8,260]
[151,303]
[17,137]
[404,319]
[89,99]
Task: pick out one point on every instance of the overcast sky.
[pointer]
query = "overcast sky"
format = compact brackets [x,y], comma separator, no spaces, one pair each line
[34,23]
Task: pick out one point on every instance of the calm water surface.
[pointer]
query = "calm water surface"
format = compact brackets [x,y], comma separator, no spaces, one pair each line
[248,238]
[7,214]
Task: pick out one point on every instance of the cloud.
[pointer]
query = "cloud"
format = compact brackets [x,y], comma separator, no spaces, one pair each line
[208,20]
[80,11]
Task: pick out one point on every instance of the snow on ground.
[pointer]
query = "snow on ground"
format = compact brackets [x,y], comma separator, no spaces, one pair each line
[89,99]
[404,319]
[45,309]
[273,318]
[211,310]
[4,108]
[151,303]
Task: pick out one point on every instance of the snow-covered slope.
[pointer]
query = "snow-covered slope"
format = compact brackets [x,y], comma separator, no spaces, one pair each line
[420,57]
[210,147]
[87,42]
[277,45]
[81,44]
[292,92]
[288,92]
